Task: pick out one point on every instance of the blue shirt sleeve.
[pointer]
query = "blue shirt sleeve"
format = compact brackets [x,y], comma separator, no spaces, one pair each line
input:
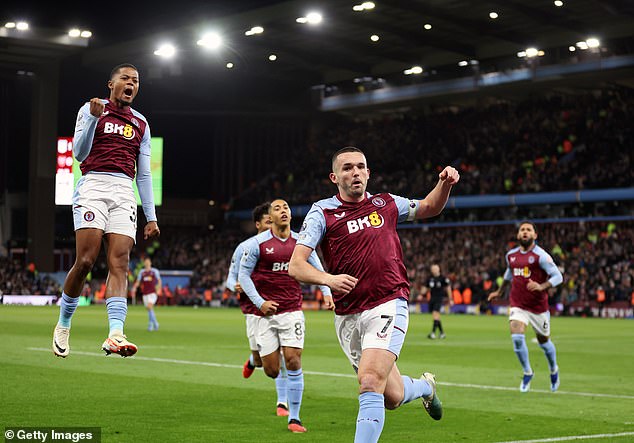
[508,275]
[138,277]
[144,177]
[250,257]
[313,228]
[406,208]
[232,276]
[84,133]
[547,264]
[157,274]
[313,259]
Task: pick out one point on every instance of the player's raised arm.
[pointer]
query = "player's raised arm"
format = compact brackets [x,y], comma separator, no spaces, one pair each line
[436,200]
[85,128]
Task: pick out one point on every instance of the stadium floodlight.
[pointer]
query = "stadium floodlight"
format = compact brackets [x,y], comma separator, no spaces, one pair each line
[229,65]
[272,57]
[463,63]
[22,26]
[9,25]
[86,34]
[427,26]
[593,42]
[531,52]
[255,30]
[375,38]
[166,50]
[210,40]
[413,70]
[572,48]
[365,6]
[314,18]
[582,45]
[521,54]
[493,15]
[74,33]
[558,3]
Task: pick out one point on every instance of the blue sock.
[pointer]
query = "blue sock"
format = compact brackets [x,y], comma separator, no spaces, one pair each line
[281,382]
[67,309]
[519,345]
[280,386]
[551,355]
[371,417]
[117,308]
[152,317]
[413,389]
[251,362]
[295,391]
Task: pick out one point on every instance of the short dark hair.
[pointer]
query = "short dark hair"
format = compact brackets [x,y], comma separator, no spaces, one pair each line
[116,69]
[343,151]
[527,222]
[260,211]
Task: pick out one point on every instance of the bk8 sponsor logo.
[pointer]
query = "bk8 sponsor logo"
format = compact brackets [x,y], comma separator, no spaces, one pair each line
[126,131]
[374,220]
[280,266]
[522,272]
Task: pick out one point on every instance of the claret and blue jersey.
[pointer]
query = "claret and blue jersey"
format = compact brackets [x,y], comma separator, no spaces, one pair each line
[263,272]
[537,265]
[360,239]
[116,143]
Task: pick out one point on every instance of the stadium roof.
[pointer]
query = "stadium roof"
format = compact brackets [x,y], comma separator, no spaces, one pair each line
[336,51]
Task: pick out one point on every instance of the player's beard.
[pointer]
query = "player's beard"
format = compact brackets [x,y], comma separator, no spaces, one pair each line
[526,243]
[356,192]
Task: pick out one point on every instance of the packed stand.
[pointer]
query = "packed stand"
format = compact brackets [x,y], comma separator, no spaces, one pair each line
[593,256]
[18,279]
[554,143]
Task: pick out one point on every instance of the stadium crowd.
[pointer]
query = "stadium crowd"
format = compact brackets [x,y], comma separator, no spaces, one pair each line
[560,142]
[18,279]
[596,259]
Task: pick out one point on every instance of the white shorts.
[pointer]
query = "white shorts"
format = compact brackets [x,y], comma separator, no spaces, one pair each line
[252,324]
[382,327]
[105,202]
[539,322]
[150,298]
[286,329]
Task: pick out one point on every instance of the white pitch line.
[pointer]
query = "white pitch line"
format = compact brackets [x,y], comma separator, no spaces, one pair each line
[543,391]
[333,374]
[573,437]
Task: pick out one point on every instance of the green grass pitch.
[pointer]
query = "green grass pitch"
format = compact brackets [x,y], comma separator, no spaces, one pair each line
[185,383]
